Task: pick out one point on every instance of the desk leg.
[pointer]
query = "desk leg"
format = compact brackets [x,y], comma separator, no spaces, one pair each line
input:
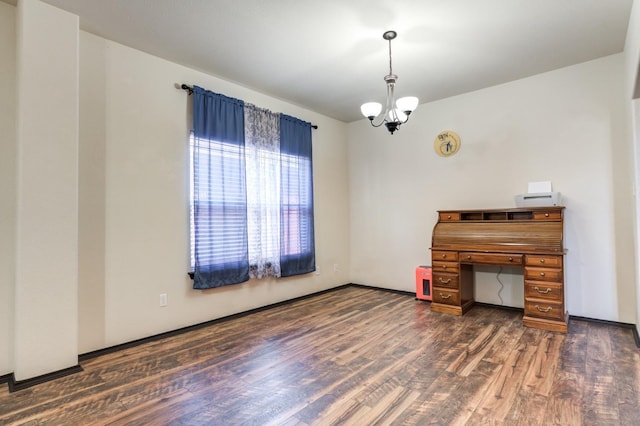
[467,296]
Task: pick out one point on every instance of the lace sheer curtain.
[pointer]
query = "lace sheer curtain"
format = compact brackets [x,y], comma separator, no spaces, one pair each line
[262,157]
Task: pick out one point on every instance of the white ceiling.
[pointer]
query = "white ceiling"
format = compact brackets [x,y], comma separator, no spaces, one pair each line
[329,55]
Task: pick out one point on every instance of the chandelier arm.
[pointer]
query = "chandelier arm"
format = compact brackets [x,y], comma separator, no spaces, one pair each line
[382,116]
[377,125]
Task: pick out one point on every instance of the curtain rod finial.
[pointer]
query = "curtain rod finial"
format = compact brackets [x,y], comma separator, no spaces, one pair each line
[184,87]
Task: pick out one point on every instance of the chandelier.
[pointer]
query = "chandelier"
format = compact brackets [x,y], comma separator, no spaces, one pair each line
[396,112]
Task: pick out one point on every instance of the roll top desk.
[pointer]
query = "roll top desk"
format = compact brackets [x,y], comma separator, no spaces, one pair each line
[531,238]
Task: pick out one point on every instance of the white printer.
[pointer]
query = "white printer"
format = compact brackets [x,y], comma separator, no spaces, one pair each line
[538,199]
[539,194]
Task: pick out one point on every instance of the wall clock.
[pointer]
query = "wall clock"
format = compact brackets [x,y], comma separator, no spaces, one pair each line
[446,143]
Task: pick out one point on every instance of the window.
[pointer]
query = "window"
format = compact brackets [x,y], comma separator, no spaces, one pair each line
[251,196]
[297,205]
[218,213]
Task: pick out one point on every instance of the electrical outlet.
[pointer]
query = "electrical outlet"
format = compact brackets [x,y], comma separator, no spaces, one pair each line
[163,299]
[336,267]
[317,270]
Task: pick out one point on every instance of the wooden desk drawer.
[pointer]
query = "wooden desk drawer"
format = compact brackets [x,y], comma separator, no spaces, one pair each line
[543,274]
[491,258]
[543,290]
[446,296]
[547,215]
[451,267]
[449,216]
[445,280]
[444,256]
[542,260]
[544,309]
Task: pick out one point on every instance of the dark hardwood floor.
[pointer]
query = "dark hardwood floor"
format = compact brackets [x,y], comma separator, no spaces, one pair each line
[352,356]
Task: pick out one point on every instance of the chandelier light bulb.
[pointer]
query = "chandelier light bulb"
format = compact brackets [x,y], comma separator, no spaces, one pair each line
[408,104]
[371,109]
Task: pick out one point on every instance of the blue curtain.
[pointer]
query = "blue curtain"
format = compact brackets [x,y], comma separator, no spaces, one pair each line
[219,191]
[297,246]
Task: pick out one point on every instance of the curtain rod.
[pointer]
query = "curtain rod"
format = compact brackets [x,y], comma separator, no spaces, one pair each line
[190,90]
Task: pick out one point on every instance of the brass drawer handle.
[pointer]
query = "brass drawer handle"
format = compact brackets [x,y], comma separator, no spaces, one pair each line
[545,310]
[468,257]
[444,281]
[444,266]
[541,260]
[445,296]
[444,256]
[511,259]
[448,216]
[546,215]
[547,291]
[542,274]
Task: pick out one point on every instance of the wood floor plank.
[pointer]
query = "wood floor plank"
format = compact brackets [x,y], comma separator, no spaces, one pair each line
[626,362]
[397,407]
[476,350]
[466,393]
[539,378]
[502,392]
[527,409]
[565,405]
[355,356]
[600,394]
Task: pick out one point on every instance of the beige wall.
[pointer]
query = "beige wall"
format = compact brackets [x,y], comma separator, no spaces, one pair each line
[566,126]
[46,256]
[91,194]
[632,72]
[134,241]
[7,182]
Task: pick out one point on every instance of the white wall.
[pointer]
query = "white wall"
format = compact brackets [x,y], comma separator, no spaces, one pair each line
[7,182]
[632,53]
[91,198]
[566,126]
[46,256]
[134,241]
